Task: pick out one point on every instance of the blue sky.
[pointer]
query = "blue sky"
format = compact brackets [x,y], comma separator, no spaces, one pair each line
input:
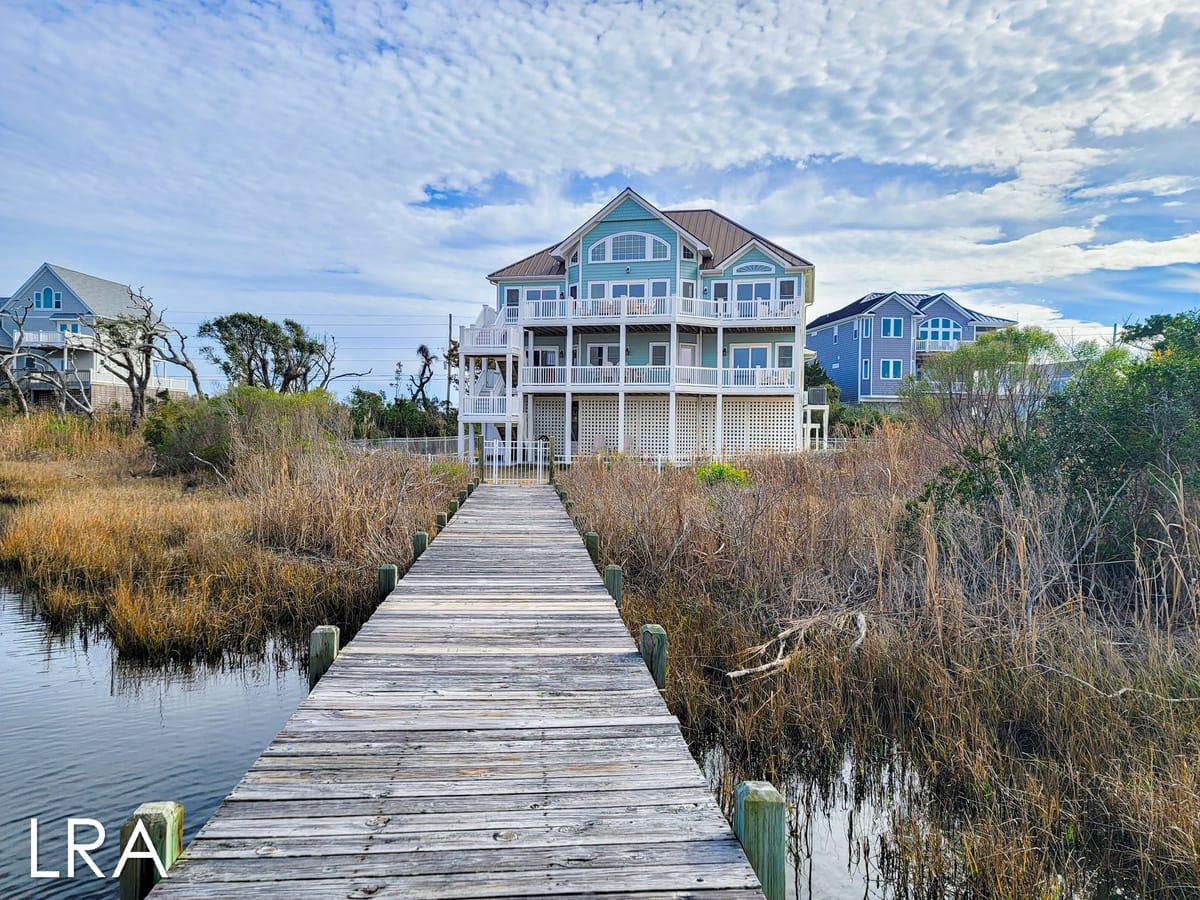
[361,166]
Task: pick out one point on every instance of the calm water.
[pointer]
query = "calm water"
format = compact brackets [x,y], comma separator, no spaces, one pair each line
[85,736]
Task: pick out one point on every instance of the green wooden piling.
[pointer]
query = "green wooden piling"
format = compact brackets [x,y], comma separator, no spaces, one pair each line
[420,544]
[162,823]
[442,520]
[614,580]
[462,497]
[592,540]
[569,506]
[453,508]
[323,646]
[551,460]
[654,652]
[479,456]
[470,488]
[387,581]
[760,823]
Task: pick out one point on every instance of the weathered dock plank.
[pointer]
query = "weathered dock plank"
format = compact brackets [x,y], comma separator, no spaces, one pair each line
[492,731]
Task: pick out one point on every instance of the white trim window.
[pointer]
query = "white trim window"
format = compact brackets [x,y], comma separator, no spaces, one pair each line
[575,256]
[512,297]
[47,299]
[603,354]
[659,354]
[892,328]
[545,356]
[835,331]
[749,356]
[785,356]
[940,330]
[688,252]
[787,291]
[866,369]
[541,293]
[687,289]
[630,246]
[866,329]
[754,268]
[891,369]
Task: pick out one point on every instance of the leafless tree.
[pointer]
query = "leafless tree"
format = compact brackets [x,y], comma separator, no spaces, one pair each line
[128,345]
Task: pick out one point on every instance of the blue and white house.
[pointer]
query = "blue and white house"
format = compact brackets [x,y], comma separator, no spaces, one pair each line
[867,347]
[673,334]
[56,309]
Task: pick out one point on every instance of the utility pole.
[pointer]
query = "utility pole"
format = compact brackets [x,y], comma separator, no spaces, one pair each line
[449,341]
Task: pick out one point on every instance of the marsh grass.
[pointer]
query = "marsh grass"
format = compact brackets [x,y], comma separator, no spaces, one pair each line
[179,569]
[1025,740]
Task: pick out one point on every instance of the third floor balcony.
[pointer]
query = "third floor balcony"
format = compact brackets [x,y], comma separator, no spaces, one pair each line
[644,309]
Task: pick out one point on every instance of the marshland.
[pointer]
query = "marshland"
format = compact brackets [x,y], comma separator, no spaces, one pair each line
[970,637]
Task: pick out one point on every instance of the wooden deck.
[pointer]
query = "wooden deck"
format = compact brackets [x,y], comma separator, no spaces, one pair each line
[491,732]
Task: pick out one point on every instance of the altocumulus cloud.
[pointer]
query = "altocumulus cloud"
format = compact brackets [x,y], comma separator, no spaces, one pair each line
[379,157]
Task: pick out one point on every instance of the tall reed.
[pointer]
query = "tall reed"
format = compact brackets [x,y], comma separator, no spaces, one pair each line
[1026,742]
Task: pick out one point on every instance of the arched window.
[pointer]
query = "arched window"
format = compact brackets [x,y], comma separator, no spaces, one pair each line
[940,330]
[630,246]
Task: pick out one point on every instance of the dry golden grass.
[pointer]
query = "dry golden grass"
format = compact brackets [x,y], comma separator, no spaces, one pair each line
[1021,755]
[179,570]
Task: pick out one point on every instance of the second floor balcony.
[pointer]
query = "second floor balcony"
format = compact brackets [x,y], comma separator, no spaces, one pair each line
[944,345]
[492,340]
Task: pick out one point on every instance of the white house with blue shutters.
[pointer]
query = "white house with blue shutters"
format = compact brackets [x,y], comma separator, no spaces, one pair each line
[867,347]
[673,334]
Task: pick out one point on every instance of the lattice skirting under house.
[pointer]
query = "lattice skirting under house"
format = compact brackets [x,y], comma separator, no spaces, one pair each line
[752,425]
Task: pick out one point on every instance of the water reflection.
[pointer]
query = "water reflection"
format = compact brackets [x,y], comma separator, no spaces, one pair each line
[83,734]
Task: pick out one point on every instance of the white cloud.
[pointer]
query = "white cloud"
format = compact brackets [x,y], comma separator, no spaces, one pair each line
[198,147]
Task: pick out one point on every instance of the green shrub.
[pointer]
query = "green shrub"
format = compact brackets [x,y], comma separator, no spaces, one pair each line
[721,473]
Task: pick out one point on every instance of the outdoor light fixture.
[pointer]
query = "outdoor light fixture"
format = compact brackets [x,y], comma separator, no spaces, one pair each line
[562,296]
[706,291]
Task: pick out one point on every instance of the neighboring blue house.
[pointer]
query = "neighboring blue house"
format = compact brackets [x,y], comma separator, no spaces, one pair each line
[867,347]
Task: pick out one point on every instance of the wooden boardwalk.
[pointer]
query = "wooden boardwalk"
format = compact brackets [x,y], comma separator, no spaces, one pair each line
[491,732]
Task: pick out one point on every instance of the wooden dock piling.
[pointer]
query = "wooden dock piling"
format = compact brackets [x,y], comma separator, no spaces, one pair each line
[653,644]
[323,646]
[760,823]
[161,825]
[387,581]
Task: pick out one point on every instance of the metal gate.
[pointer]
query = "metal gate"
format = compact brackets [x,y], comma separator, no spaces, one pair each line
[517,462]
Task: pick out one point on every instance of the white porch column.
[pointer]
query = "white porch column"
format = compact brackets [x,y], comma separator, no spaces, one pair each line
[672,432]
[508,429]
[567,427]
[720,445]
[798,378]
[621,391]
[568,362]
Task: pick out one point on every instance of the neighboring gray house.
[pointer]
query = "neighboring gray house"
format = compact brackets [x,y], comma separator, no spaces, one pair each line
[867,347]
[60,307]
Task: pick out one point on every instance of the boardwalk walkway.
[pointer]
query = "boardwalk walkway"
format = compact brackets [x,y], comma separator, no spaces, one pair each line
[491,732]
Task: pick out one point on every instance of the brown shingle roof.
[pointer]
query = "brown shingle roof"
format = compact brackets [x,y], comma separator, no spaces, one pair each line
[540,263]
[722,235]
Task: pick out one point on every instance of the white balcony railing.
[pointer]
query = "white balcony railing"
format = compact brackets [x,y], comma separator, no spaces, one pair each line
[544,375]
[488,407]
[758,377]
[633,308]
[636,377]
[930,346]
[492,339]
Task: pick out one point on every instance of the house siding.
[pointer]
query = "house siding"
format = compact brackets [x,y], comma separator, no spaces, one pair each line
[628,216]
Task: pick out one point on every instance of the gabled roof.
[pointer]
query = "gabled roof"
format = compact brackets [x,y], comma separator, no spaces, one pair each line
[918,303]
[628,194]
[726,237]
[717,236]
[106,299]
